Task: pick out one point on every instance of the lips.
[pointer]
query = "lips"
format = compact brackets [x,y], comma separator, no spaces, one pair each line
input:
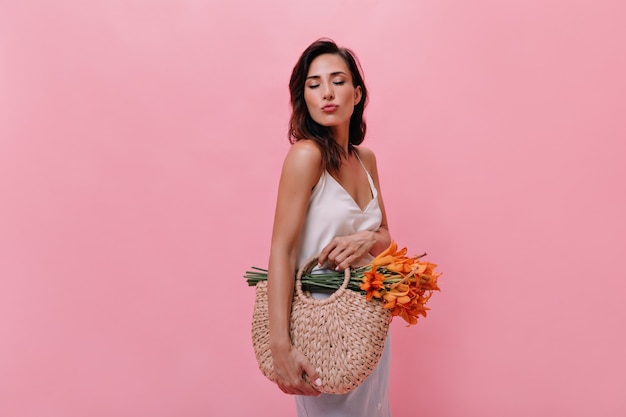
[329,108]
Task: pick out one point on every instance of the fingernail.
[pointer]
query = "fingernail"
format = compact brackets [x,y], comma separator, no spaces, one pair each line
[318,382]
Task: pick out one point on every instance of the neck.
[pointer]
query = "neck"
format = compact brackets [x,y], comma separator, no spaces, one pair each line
[341,136]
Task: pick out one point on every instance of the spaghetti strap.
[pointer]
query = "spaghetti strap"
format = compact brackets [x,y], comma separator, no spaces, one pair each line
[361,162]
[370,180]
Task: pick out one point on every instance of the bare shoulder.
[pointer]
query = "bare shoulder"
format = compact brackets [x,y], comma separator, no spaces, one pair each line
[307,150]
[304,154]
[304,162]
[368,157]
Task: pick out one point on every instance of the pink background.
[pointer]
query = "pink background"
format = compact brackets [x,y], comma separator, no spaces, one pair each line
[140,148]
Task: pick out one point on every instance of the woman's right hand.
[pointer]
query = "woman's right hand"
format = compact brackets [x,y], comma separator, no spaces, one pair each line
[290,365]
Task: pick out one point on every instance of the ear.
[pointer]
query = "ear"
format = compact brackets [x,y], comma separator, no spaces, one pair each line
[358,93]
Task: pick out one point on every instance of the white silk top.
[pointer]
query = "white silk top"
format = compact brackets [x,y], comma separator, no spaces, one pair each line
[333,212]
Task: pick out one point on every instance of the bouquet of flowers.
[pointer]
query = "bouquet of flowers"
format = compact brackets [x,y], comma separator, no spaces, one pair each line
[404,283]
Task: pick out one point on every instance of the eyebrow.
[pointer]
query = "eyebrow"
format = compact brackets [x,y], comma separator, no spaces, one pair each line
[332,74]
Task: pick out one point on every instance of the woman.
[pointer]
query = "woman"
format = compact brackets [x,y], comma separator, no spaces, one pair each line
[329,203]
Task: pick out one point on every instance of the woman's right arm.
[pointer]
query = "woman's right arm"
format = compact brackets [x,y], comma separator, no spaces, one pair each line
[301,172]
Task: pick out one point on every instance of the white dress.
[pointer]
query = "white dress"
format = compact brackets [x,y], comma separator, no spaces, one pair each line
[333,212]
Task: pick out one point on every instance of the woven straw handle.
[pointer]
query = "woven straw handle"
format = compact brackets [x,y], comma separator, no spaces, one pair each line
[306,268]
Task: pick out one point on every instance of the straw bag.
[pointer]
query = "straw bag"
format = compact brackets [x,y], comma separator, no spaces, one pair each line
[343,335]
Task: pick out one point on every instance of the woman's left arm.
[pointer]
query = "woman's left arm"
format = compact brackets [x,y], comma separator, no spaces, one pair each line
[343,250]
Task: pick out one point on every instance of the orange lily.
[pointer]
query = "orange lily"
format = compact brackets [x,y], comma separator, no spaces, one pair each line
[372,284]
[387,256]
[406,285]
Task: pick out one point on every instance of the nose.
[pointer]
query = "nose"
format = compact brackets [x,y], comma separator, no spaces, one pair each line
[328,92]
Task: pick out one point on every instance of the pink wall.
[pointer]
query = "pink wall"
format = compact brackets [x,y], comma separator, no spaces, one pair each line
[140,146]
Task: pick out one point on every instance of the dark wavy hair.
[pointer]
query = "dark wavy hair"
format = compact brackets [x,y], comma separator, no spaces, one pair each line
[302,125]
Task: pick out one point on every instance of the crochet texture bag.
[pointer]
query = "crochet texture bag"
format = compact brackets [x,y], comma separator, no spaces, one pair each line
[343,335]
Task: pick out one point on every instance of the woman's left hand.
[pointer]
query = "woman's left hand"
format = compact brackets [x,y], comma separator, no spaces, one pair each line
[342,251]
